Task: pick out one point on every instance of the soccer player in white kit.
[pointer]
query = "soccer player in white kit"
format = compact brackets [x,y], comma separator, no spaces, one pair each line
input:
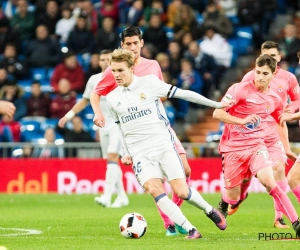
[109,140]
[148,143]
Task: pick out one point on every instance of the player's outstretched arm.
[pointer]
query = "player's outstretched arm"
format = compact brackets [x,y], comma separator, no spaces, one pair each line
[199,99]
[285,117]
[7,108]
[95,103]
[223,116]
[75,110]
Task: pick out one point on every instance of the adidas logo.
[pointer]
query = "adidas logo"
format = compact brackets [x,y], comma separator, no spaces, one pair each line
[119,104]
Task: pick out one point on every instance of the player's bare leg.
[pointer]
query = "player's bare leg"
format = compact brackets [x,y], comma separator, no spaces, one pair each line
[293,178]
[279,176]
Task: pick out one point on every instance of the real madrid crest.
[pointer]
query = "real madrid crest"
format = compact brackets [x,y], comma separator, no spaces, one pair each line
[143,97]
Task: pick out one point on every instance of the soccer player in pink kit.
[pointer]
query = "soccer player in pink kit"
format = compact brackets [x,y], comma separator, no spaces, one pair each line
[286,86]
[131,39]
[242,144]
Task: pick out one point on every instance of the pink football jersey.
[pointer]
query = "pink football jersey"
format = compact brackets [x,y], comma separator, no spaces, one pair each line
[249,101]
[146,67]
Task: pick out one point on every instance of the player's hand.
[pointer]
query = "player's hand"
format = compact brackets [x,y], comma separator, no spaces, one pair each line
[126,160]
[291,155]
[286,117]
[227,104]
[62,121]
[288,109]
[7,108]
[250,119]
[99,120]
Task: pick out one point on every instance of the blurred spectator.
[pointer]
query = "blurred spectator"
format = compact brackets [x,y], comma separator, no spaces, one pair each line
[15,67]
[204,64]
[185,21]
[63,100]
[155,34]
[213,15]
[175,55]
[23,21]
[8,35]
[229,7]
[10,8]
[13,93]
[163,60]
[131,16]
[76,134]
[48,149]
[43,51]
[186,39]
[93,67]
[108,37]
[197,5]
[50,17]
[65,25]
[92,16]
[188,79]
[3,77]
[156,8]
[38,103]
[109,8]
[172,10]
[148,51]
[26,151]
[81,39]
[9,129]
[71,70]
[290,45]
[258,15]
[216,46]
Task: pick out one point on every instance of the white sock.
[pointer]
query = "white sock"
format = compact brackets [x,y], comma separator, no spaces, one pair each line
[173,212]
[111,176]
[197,200]
[119,184]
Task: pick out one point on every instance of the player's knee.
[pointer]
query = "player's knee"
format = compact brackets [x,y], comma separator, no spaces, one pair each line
[291,181]
[182,193]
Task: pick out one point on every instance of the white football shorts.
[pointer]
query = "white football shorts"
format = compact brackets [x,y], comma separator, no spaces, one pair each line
[159,165]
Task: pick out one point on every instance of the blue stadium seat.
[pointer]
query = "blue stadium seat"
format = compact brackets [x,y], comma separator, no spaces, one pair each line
[30,125]
[49,123]
[171,114]
[31,136]
[213,136]
[39,74]
[244,35]
[170,32]
[26,85]
[235,54]
[234,20]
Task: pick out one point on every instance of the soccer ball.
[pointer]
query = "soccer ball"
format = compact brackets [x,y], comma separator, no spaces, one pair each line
[133,225]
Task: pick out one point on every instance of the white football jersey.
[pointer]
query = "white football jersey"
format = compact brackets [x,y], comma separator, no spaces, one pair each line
[91,84]
[141,114]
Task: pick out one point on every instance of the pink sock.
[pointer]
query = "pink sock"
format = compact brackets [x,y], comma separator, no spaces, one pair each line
[283,186]
[229,201]
[167,221]
[176,199]
[244,188]
[296,192]
[284,203]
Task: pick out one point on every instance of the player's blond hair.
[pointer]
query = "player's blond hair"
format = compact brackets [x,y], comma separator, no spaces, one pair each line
[123,55]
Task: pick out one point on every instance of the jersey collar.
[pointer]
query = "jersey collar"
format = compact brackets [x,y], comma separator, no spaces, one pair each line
[131,86]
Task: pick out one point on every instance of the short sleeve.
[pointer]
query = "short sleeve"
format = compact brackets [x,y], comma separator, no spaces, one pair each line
[106,84]
[160,88]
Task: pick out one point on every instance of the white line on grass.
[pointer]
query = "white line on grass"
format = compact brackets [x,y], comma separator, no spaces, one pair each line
[20,231]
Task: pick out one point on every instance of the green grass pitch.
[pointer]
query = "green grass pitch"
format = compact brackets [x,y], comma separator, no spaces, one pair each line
[75,222]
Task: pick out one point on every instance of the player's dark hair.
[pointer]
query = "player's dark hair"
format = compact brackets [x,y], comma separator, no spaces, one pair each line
[266,60]
[131,31]
[270,45]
